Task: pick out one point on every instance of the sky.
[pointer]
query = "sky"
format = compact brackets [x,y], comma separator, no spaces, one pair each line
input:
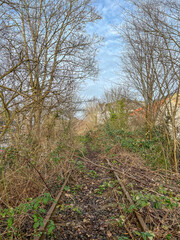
[109,52]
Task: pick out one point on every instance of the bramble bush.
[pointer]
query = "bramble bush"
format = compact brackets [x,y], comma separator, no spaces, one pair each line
[32,207]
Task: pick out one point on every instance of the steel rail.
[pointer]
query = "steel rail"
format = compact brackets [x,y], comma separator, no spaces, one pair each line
[126,193]
[49,214]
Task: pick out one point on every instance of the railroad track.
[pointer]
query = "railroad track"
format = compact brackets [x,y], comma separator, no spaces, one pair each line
[49,214]
[107,169]
[126,193]
[138,215]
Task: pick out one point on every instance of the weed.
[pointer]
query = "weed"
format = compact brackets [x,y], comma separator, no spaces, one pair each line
[121,220]
[150,150]
[64,207]
[33,207]
[123,238]
[92,174]
[143,199]
[114,162]
[50,227]
[168,236]
[80,165]
[145,235]
[101,188]
[105,185]
[87,138]
[76,188]
[67,188]
[108,148]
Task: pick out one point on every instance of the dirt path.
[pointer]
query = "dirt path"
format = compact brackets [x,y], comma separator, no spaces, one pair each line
[89,209]
[92,203]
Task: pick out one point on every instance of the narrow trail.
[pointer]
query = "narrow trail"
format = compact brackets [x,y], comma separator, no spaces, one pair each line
[92,207]
[94,204]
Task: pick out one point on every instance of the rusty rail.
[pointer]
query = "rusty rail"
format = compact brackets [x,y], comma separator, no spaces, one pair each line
[49,214]
[138,215]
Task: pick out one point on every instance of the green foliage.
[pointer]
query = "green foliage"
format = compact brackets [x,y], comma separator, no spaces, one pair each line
[168,236]
[113,116]
[123,238]
[80,165]
[101,188]
[50,227]
[34,207]
[108,148]
[87,138]
[57,154]
[64,207]
[143,199]
[145,235]
[76,188]
[121,220]
[92,174]
[150,150]
[118,115]
[131,208]
[105,185]
[67,188]
[82,152]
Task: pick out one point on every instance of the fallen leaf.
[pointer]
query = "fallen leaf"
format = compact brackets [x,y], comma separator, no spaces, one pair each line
[109,234]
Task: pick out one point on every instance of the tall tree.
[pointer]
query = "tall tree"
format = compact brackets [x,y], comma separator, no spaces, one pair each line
[152,61]
[51,36]
[140,64]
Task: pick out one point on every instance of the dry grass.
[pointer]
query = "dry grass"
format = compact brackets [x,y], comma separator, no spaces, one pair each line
[29,174]
[28,169]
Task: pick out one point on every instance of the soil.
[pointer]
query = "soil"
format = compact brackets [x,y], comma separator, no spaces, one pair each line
[92,203]
[98,213]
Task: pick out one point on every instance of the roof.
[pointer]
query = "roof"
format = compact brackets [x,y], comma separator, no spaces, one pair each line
[140,112]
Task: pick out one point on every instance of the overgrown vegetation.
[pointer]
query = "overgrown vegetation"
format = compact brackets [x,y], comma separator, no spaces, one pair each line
[28,169]
[46,52]
[155,151]
[146,160]
[136,156]
[30,213]
[31,176]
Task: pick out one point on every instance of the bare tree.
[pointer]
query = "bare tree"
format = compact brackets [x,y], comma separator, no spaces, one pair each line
[153,58]
[143,70]
[57,50]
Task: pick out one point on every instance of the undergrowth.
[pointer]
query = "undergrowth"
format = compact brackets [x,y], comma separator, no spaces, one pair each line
[154,151]
[13,228]
[153,200]
[31,175]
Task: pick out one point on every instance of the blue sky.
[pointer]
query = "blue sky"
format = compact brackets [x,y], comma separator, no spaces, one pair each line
[109,51]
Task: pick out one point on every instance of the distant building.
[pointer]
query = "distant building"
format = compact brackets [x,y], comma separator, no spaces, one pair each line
[162,111]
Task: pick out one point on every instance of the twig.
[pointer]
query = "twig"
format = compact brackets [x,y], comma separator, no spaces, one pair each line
[38,174]
[107,168]
[140,219]
[51,210]
[125,225]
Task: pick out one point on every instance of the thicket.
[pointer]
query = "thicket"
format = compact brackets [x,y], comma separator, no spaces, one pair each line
[116,131]
[150,62]
[31,174]
[133,154]
[46,52]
